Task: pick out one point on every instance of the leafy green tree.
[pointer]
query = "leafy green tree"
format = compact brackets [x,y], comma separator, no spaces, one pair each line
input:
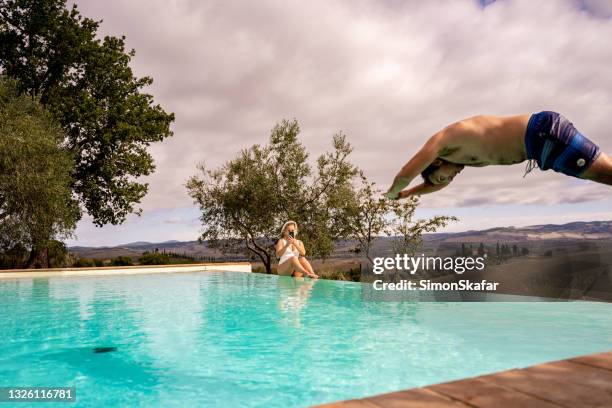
[408,233]
[368,221]
[36,203]
[56,57]
[374,216]
[245,202]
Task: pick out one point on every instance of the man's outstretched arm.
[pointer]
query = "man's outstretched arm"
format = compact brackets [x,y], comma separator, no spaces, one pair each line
[419,162]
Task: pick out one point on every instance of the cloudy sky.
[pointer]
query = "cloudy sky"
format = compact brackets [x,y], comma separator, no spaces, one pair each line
[387,73]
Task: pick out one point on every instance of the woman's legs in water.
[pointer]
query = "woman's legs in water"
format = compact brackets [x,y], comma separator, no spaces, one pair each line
[289,266]
[304,262]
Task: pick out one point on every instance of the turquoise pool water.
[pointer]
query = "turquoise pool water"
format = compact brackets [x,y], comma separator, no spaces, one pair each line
[239,339]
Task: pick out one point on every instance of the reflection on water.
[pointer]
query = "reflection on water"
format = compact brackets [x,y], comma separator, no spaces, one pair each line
[293,294]
[235,339]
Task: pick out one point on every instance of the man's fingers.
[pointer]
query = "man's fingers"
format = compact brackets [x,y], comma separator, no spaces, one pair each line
[392,195]
[404,194]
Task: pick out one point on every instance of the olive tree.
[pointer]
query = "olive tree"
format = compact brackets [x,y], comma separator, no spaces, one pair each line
[245,202]
[374,216]
[36,202]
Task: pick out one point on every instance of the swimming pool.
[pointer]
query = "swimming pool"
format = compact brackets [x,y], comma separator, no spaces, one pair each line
[239,339]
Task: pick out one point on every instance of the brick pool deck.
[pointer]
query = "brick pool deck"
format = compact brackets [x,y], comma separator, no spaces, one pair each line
[584,381]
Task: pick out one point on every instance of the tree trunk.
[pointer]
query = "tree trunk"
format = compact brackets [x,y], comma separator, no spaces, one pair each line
[38,257]
[268,264]
[366,266]
[34,254]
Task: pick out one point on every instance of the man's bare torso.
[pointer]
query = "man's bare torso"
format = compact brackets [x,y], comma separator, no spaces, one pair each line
[485,140]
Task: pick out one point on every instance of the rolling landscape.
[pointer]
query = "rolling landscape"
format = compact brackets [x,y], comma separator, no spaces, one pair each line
[569,261]
[536,236]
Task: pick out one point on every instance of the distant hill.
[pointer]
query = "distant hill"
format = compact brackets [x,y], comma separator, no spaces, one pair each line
[191,248]
[570,231]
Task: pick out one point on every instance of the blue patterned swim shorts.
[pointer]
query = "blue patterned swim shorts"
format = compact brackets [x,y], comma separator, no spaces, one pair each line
[554,143]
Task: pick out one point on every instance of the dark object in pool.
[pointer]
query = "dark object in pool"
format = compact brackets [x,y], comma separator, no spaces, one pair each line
[104,349]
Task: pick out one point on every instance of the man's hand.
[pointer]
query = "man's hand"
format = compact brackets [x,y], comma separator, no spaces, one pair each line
[423,188]
[392,195]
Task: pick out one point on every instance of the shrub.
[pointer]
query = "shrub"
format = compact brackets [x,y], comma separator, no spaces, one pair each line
[84,263]
[154,258]
[57,254]
[122,261]
[14,258]
[98,262]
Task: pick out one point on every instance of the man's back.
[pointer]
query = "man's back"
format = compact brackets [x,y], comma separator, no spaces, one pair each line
[483,140]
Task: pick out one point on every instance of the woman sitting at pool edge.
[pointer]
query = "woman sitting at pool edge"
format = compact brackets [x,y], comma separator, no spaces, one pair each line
[292,253]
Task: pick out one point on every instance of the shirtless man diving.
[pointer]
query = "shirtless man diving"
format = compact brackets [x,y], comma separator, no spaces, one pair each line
[547,139]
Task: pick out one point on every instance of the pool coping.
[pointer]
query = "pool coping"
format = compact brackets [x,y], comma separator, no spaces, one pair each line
[584,381]
[126,270]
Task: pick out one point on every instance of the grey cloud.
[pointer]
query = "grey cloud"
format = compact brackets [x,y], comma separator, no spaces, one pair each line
[599,8]
[386,75]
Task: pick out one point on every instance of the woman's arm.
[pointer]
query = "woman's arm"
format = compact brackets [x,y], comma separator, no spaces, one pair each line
[300,247]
